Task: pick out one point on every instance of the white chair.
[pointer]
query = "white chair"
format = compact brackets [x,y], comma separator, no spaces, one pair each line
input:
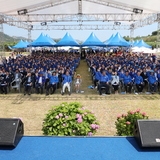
[16,84]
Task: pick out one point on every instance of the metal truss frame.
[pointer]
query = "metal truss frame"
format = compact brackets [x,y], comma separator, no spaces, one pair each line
[75,17]
[11,21]
[158,32]
[44,5]
[82,27]
[79,6]
[112,4]
[2,53]
[146,21]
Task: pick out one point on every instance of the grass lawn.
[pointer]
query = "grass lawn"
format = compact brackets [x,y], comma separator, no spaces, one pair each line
[32,109]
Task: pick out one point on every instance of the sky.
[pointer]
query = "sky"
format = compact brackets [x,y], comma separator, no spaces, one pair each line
[81,35]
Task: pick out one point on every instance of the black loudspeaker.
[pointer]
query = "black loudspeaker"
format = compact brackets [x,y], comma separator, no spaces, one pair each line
[147,133]
[11,131]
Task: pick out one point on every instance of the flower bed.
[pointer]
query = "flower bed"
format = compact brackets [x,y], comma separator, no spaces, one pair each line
[70,119]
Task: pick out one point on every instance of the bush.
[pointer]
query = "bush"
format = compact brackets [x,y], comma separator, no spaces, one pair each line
[125,122]
[70,119]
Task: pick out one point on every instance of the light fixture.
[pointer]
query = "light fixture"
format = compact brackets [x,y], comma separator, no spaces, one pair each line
[117,23]
[31,27]
[132,26]
[43,23]
[136,10]
[22,11]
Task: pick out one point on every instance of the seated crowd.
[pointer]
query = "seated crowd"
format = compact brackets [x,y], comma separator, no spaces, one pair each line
[125,72]
[38,72]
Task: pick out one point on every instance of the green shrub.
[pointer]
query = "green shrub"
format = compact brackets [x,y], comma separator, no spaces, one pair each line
[125,122]
[70,119]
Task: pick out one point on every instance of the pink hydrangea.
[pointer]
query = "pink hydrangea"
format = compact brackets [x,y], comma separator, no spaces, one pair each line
[144,114]
[66,117]
[119,116]
[79,120]
[128,122]
[131,112]
[138,110]
[83,108]
[64,124]
[78,116]
[97,126]
[90,133]
[93,126]
[57,117]
[60,115]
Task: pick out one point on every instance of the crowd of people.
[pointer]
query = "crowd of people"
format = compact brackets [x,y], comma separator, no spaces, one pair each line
[40,72]
[125,72]
[112,73]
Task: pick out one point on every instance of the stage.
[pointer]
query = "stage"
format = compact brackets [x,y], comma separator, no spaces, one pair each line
[78,148]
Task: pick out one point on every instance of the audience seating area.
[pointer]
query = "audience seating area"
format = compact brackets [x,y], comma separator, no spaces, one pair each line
[127,73]
[43,72]
[40,72]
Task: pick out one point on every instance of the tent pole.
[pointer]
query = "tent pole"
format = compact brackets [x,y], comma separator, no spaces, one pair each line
[131,38]
[29,39]
[2,53]
[158,36]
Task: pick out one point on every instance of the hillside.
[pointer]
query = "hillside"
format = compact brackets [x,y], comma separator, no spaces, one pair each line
[6,38]
[150,39]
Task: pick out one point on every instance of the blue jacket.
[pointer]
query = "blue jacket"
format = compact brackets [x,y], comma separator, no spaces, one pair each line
[152,79]
[97,75]
[127,79]
[53,79]
[104,78]
[66,79]
[138,80]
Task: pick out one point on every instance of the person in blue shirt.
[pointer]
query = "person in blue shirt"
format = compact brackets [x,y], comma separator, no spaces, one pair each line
[67,79]
[53,80]
[127,80]
[104,82]
[158,77]
[152,82]
[96,77]
[139,82]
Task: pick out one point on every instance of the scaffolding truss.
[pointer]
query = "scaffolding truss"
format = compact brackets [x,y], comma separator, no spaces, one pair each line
[82,27]
[31,22]
[2,53]
[131,17]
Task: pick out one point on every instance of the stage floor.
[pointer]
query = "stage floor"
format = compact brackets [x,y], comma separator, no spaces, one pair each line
[78,148]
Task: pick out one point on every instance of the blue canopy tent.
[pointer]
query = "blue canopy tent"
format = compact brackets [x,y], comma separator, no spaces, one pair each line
[143,44]
[50,39]
[131,43]
[135,43]
[67,40]
[42,41]
[26,42]
[20,45]
[107,41]
[92,40]
[118,40]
